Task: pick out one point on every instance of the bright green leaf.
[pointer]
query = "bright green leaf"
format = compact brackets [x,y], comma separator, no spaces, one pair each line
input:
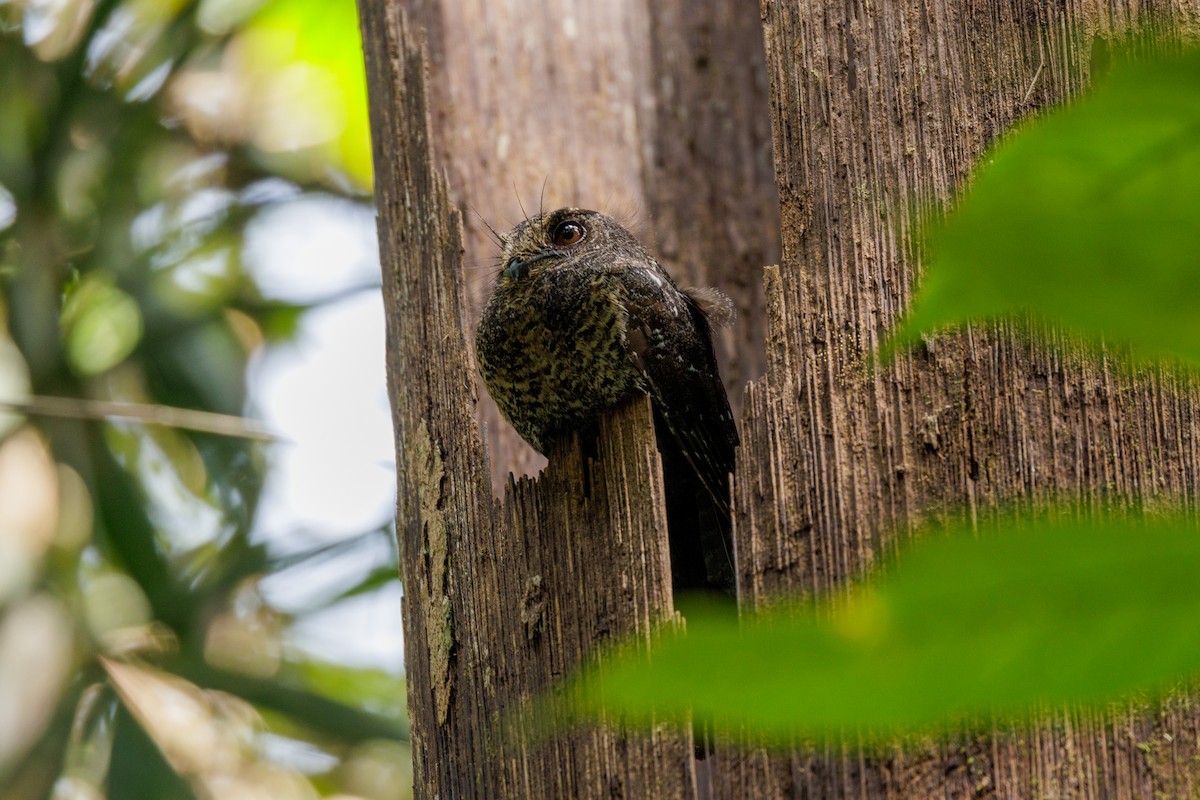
[1086,219]
[308,54]
[960,628]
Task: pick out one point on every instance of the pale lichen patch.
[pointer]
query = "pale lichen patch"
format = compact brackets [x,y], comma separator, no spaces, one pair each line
[425,460]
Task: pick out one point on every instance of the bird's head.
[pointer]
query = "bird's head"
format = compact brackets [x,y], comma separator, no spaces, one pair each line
[564,239]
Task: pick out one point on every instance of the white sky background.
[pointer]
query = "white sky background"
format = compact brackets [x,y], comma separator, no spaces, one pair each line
[325,395]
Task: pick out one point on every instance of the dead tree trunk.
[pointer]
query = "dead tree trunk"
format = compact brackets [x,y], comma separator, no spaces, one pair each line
[665,105]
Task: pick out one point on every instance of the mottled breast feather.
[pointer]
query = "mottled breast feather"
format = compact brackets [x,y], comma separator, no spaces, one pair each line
[554,354]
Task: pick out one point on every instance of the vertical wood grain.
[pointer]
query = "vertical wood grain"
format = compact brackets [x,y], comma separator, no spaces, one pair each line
[881,108]
[502,600]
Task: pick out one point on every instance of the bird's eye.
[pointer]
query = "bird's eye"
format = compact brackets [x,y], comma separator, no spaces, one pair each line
[568,232]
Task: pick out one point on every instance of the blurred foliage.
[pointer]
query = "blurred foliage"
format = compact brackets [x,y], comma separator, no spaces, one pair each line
[968,627]
[1085,219]
[138,656]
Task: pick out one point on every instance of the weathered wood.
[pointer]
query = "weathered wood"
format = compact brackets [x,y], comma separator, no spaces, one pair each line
[710,179]
[878,104]
[500,600]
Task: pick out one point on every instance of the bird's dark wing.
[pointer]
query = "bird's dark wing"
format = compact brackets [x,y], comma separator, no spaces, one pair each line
[670,341]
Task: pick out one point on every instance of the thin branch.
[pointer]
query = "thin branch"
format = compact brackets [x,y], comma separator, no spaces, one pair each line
[303,705]
[167,416]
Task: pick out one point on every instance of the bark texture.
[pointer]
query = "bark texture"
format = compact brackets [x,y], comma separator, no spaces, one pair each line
[874,109]
[500,599]
[876,104]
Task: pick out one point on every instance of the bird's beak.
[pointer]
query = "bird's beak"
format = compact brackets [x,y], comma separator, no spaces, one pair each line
[515,268]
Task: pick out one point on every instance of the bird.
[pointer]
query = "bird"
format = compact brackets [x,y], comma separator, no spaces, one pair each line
[581,318]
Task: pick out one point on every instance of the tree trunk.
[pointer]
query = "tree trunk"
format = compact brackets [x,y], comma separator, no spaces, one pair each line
[877,108]
[881,108]
[500,601]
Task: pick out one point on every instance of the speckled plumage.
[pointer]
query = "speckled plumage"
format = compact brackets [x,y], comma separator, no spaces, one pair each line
[573,329]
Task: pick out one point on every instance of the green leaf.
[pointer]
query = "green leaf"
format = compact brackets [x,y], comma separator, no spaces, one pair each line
[311,51]
[371,690]
[961,628]
[1086,219]
[102,324]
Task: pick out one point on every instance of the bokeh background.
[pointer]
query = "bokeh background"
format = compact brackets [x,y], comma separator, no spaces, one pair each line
[198,594]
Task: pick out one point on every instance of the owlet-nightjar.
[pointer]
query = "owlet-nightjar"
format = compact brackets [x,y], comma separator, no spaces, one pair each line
[581,318]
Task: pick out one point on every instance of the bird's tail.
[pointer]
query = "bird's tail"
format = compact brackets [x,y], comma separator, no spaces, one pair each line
[698,525]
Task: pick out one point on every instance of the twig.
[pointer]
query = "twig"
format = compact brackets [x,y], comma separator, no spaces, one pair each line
[167,416]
